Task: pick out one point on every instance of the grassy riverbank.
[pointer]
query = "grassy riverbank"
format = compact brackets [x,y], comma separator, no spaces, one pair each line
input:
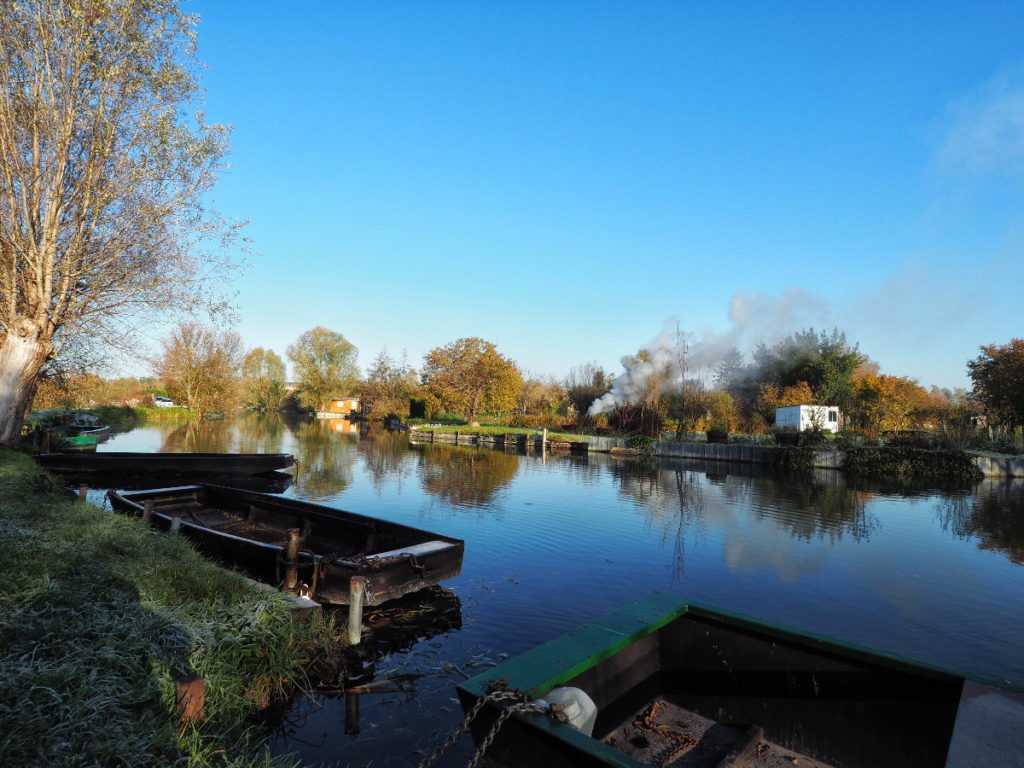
[100,616]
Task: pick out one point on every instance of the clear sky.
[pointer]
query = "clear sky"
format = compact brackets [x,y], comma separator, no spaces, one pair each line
[563,178]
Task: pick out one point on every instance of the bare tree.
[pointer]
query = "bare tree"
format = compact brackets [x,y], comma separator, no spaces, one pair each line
[102,179]
[200,367]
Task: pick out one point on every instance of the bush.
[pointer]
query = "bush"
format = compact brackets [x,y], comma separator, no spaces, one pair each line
[718,434]
[912,463]
[785,435]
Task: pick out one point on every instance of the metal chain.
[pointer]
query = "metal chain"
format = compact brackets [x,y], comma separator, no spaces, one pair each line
[492,734]
[520,705]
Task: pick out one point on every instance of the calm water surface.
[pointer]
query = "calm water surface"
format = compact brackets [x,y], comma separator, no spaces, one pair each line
[555,541]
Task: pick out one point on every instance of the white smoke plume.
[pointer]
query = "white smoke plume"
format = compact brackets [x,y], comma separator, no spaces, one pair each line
[753,318]
[631,383]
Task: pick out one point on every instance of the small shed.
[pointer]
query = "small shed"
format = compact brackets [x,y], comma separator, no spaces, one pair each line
[341,406]
[801,417]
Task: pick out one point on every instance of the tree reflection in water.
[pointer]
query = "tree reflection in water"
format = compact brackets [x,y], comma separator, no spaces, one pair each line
[465,478]
[993,514]
[323,460]
[386,457]
[672,497]
[201,437]
[822,506]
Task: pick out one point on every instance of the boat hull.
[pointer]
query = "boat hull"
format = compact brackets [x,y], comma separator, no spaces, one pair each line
[802,699]
[167,463]
[250,530]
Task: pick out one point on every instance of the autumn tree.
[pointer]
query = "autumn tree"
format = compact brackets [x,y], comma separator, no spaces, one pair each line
[77,391]
[104,174]
[824,361]
[885,403]
[770,397]
[325,365]
[998,376]
[200,367]
[263,379]
[470,377]
[390,386]
[541,395]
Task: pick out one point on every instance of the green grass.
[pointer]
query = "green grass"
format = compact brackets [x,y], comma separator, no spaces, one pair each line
[100,615]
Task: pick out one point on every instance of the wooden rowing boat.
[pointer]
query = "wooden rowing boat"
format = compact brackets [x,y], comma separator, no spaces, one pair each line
[688,685]
[251,530]
[167,463]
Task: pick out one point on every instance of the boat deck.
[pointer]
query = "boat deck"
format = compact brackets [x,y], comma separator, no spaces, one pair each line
[235,524]
[665,735]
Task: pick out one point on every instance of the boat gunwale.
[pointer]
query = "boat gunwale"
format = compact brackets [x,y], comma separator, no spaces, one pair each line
[307,506]
[554,663]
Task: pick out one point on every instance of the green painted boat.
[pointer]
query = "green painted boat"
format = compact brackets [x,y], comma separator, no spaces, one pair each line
[690,686]
[79,440]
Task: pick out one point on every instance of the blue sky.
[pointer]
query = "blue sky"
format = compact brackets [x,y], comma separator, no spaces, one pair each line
[564,179]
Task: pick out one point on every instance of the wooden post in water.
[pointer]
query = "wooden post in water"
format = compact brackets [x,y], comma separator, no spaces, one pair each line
[352,714]
[356,595]
[291,560]
[147,512]
[191,699]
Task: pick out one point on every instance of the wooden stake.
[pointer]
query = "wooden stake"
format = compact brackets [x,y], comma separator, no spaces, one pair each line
[175,524]
[191,698]
[291,564]
[82,490]
[147,512]
[356,595]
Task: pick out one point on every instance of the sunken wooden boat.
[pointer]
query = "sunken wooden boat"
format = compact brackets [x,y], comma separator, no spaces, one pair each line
[690,686]
[167,463]
[251,530]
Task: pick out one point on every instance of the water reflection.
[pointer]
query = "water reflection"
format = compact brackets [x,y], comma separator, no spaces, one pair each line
[468,478]
[815,510]
[993,514]
[386,457]
[323,460]
[201,437]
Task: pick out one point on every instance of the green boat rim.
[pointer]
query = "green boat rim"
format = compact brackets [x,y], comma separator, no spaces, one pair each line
[547,666]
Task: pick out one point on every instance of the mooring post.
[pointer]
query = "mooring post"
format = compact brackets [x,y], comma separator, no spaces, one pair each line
[291,563]
[356,595]
[82,490]
[147,512]
[191,699]
[175,523]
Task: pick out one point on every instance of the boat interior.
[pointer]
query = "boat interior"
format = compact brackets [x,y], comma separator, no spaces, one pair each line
[701,692]
[268,520]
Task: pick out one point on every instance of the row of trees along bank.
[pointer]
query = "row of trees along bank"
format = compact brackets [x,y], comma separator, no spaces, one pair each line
[209,369]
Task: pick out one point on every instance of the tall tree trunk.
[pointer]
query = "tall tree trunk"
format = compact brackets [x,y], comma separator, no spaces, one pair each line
[22,355]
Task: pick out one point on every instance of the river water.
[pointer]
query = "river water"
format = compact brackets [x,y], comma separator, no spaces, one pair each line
[555,541]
